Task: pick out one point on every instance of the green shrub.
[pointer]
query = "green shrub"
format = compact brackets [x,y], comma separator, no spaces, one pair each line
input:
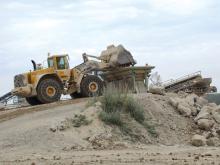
[136,110]
[115,104]
[112,101]
[111,118]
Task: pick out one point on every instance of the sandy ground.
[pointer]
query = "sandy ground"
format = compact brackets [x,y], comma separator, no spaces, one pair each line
[26,138]
[148,155]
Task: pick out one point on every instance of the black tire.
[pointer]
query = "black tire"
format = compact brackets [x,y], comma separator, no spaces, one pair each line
[75,95]
[86,83]
[33,100]
[43,93]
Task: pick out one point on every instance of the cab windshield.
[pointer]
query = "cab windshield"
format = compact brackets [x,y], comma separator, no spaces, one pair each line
[61,63]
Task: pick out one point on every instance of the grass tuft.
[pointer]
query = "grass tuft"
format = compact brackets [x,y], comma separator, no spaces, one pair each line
[150,129]
[80,120]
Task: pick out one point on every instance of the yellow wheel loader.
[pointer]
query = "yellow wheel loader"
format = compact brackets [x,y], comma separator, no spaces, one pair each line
[46,85]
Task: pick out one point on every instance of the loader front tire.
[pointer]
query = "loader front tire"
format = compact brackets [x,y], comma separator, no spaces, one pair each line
[49,90]
[33,100]
[91,85]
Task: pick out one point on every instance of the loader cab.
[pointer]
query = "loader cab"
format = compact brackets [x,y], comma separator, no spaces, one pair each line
[58,62]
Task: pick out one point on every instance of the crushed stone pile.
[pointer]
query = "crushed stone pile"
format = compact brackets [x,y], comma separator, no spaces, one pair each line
[205,115]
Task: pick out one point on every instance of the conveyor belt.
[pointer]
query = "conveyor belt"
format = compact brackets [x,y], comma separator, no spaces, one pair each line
[6,97]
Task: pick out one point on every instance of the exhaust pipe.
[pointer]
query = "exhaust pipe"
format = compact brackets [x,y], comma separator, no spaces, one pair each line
[34,65]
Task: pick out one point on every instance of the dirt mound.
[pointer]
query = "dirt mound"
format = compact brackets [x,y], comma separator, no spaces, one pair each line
[171,127]
[78,127]
[172,119]
[52,135]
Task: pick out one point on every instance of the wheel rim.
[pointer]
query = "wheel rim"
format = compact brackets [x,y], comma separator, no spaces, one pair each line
[93,87]
[51,91]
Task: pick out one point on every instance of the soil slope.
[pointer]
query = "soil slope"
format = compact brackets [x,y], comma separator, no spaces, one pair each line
[47,137]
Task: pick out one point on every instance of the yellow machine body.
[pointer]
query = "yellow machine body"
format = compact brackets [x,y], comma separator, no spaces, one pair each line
[58,68]
[45,85]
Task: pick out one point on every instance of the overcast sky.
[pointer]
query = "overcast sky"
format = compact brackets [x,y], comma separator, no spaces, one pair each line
[176,36]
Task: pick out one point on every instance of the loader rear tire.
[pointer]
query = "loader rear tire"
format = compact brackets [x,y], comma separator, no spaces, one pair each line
[33,100]
[91,85]
[49,90]
[75,95]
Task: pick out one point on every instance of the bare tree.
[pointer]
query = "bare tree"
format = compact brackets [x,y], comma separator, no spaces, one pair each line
[156,79]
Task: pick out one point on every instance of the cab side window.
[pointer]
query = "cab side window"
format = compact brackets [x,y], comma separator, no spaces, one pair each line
[50,63]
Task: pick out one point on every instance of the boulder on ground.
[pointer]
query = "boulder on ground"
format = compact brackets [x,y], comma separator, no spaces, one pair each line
[216,114]
[205,124]
[212,105]
[184,109]
[157,90]
[205,113]
[174,102]
[198,140]
[213,141]
[201,101]
[181,106]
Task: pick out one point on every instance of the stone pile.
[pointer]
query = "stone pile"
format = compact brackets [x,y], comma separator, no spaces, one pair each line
[205,115]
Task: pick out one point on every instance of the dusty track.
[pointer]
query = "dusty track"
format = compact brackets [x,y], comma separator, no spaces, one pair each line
[10,114]
[149,155]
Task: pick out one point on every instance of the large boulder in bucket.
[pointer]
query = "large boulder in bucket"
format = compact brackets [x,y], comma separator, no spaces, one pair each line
[117,56]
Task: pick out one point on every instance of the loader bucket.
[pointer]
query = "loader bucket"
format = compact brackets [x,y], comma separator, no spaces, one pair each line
[117,56]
